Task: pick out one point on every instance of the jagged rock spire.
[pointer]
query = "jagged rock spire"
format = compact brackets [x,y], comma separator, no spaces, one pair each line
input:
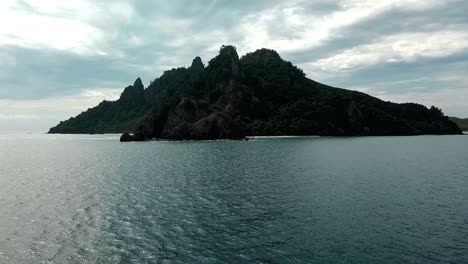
[138,84]
[197,64]
[226,65]
[134,93]
[231,53]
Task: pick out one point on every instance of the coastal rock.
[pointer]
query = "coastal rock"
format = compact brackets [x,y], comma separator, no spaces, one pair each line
[126,137]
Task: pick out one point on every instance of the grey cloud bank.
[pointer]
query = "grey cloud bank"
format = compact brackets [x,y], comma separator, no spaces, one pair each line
[55,51]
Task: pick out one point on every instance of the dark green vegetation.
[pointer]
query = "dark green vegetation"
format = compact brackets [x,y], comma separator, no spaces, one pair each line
[259,94]
[462,123]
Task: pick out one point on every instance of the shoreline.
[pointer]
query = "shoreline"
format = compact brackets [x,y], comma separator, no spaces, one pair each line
[289,136]
[247,138]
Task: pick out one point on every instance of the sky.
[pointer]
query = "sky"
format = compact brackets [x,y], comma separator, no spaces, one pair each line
[59,58]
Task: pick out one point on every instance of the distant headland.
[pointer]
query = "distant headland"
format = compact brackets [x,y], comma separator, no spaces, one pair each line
[461,122]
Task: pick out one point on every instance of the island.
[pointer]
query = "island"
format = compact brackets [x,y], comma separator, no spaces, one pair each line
[259,94]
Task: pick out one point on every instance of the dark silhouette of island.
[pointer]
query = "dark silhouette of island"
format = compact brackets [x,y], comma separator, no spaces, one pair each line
[257,95]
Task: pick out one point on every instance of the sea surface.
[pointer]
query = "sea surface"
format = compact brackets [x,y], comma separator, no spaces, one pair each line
[91,199]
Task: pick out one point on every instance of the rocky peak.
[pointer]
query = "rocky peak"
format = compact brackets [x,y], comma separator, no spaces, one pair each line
[226,64]
[230,50]
[268,53]
[135,93]
[231,53]
[270,62]
[138,84]
[197,64]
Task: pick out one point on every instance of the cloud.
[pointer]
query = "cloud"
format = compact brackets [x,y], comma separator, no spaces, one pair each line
[137,41]
[7,60]
[18,116]
[307,30]
[23,28]
[53,50]
[445,87]
[51,110]
[406,47]
[451,100]
[83,27]
[59,106]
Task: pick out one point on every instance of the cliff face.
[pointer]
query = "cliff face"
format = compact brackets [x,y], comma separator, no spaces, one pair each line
[259,94]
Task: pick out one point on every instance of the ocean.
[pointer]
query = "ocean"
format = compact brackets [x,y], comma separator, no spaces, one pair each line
[91,199]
